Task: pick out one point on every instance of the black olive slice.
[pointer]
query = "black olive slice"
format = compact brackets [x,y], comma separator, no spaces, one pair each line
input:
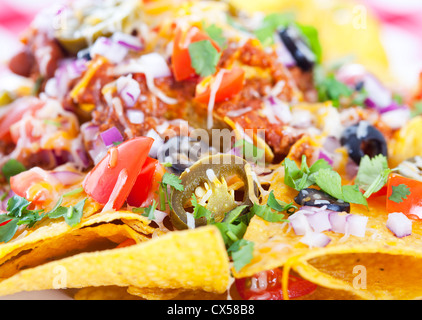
[317,198]
[363,139]
[181,152]
[298,48]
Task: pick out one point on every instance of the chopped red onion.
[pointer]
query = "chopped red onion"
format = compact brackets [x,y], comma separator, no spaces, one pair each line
[323,155]
[111,136]
[128,41]
[314,220]
[67,178]
[128,90]
[135,116]
[377,93]
[331,144]
[351,169]
[156,65]
[351,74]
[109,49]
[338,221]
[319,221]
[399,224]
[316,239]
[98,151]
[299,223]
[279,109]
[356,225]
[89,131]
[396,118]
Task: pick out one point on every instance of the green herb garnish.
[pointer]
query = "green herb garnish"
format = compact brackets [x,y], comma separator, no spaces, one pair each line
[204,57]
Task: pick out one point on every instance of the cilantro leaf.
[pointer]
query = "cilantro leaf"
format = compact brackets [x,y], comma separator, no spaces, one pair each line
[272,22]
[231,232]
[200,211]
[173,181]
[250,151]
[149,211]
[17,206]
[265,212]
[11,168]
[329,88]
[8,227]
[215,33]
[378,183]
[369,170]
[304,177]
[400,193]
[311,35]
[232,215]
[352,194]
[330,182]
[241,252]
[72,215]
[278,205]
[204,57]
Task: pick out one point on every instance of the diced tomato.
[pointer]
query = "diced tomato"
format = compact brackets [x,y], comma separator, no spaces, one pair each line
[231,84]
[15,114]
[181,62]
[31,185]
[146,186]
[412,205]
[267,285]
[127,158]
[126,243]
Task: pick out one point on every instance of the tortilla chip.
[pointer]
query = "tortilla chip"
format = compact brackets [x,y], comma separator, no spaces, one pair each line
[53,240]
[80,240]
[154,293]
[406,142]
[104,293]
[175,294]
[191,259]
[380,254]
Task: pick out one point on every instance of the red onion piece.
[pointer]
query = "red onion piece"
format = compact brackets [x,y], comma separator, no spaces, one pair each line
[299,223]
[316,239]
[323,155]
[109,49]
[156,65]
[319,221]
[135,116]
[128,89]
[89,131]
[111,136]
[377,93]
[67,178]
[356,225]
[338,221]
[128,41]
[399,224]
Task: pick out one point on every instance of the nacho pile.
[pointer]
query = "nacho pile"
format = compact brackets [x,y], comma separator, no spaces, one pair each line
[205,150]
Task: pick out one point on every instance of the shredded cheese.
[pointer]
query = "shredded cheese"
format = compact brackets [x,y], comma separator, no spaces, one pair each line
[83,83]
[214,88]
[121,181]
